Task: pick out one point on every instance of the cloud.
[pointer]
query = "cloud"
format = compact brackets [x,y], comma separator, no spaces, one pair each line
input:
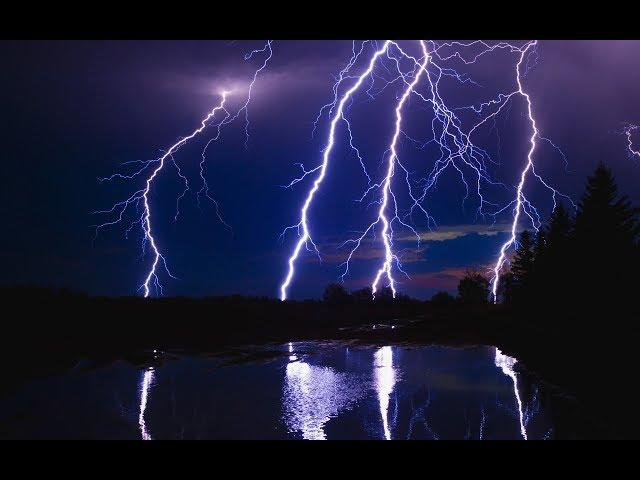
[281,79]
[334,251]
[338,252]
[451,232]
[446,279]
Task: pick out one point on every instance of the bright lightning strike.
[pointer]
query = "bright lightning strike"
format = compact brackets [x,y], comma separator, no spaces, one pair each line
[217,117]
[521,201]
[451,134]
[629,131]
[523,176]
[305,238]
[143,196]
[387,229]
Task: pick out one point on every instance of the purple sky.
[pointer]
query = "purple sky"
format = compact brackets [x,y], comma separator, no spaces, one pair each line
[75,110]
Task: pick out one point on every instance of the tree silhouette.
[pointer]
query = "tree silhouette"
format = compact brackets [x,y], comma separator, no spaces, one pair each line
[522,267]
[506,288]
[551,269]
[385,295]
[442,299]
[604,215]
[559,227]
[540,247]
[363,295]
[522,264]
[473,288]
[605,241]
[574,265]
[335,293]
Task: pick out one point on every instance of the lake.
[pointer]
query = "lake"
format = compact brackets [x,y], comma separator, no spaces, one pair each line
[301,390]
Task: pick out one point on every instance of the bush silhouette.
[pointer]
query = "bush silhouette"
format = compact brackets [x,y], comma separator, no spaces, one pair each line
[473,288]
[335,293]
[442,299]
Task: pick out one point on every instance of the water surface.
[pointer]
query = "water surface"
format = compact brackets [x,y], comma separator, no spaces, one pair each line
[309,390]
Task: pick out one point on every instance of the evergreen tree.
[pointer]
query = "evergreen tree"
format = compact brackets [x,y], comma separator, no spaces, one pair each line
[574,268]
[540,255]
[552,265]
[559,227]
[522,265]
[605,241]
[541,245]
[604,215]
[506,288]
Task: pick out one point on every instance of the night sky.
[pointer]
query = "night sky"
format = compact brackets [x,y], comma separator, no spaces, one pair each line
[73,111]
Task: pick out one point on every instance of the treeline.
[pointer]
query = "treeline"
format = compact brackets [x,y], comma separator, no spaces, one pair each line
[473,290]
[583,259]
[580,261]
[337,294]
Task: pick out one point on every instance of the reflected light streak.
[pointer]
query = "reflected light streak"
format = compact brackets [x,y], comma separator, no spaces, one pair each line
[506,364]
[385,379]
[313,395]
[292,357]
[147,382]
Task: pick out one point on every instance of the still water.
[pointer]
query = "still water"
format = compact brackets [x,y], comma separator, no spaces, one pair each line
[307,390]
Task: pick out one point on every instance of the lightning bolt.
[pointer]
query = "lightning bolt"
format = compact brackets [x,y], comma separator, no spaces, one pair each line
[217,117]
[387,229]
[451,135]
[445,119]
[142,196]
[305,238]
[522,204]
[629,130]
[523,175]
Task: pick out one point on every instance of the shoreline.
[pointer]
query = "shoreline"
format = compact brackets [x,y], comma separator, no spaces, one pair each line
[51,335]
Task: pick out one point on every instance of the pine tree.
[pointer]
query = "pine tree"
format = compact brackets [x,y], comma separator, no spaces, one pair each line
[552,267]
[605,240]
[522,264]
[522,268]
[559,227]
[540,255]
[603,214]
[506,288]
[540,247]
